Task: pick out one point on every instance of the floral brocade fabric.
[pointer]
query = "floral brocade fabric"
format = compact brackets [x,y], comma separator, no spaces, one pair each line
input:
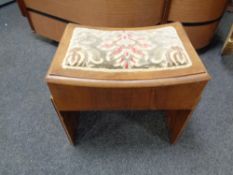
[126,50]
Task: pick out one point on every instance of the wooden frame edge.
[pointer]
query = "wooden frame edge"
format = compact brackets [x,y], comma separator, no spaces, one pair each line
[127,83]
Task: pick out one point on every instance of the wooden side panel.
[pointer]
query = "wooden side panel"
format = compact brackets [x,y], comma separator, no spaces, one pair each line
[48,27]
[176,122]
[201,36]
[68,98]
[114,13]
[69,122]
[196,10]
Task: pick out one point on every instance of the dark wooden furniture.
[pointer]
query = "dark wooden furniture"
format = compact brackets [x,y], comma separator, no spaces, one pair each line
[199,17]
[177,91]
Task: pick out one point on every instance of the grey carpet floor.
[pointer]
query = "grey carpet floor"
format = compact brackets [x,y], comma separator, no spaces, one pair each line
[33,142]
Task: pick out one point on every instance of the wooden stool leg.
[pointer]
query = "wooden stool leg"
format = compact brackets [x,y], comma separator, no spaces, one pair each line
[176,121]
[69,122]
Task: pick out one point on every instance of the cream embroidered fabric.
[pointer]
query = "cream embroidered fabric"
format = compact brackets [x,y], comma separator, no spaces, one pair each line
[141,50]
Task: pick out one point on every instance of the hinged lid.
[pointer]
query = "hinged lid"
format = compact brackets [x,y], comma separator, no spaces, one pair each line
[144,53]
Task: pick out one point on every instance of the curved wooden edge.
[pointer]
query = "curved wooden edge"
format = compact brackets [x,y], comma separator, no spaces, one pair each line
[201,35]
[117,13]
[193,11]
[48,27]
[127,83]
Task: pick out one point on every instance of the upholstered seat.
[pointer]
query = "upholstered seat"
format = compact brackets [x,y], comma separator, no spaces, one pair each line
[126,50]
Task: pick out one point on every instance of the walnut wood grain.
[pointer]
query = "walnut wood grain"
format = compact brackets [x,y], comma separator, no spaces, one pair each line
[196,11]
[72,98]
[120,13]
[114,13]
[201,35]
[48,27]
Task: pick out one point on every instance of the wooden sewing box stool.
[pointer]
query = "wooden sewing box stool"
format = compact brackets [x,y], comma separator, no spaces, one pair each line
[145,68]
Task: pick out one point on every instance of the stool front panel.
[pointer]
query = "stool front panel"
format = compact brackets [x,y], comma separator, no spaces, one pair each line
[74,98]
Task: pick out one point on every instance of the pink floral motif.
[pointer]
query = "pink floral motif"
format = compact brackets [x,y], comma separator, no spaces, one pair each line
[125,49]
